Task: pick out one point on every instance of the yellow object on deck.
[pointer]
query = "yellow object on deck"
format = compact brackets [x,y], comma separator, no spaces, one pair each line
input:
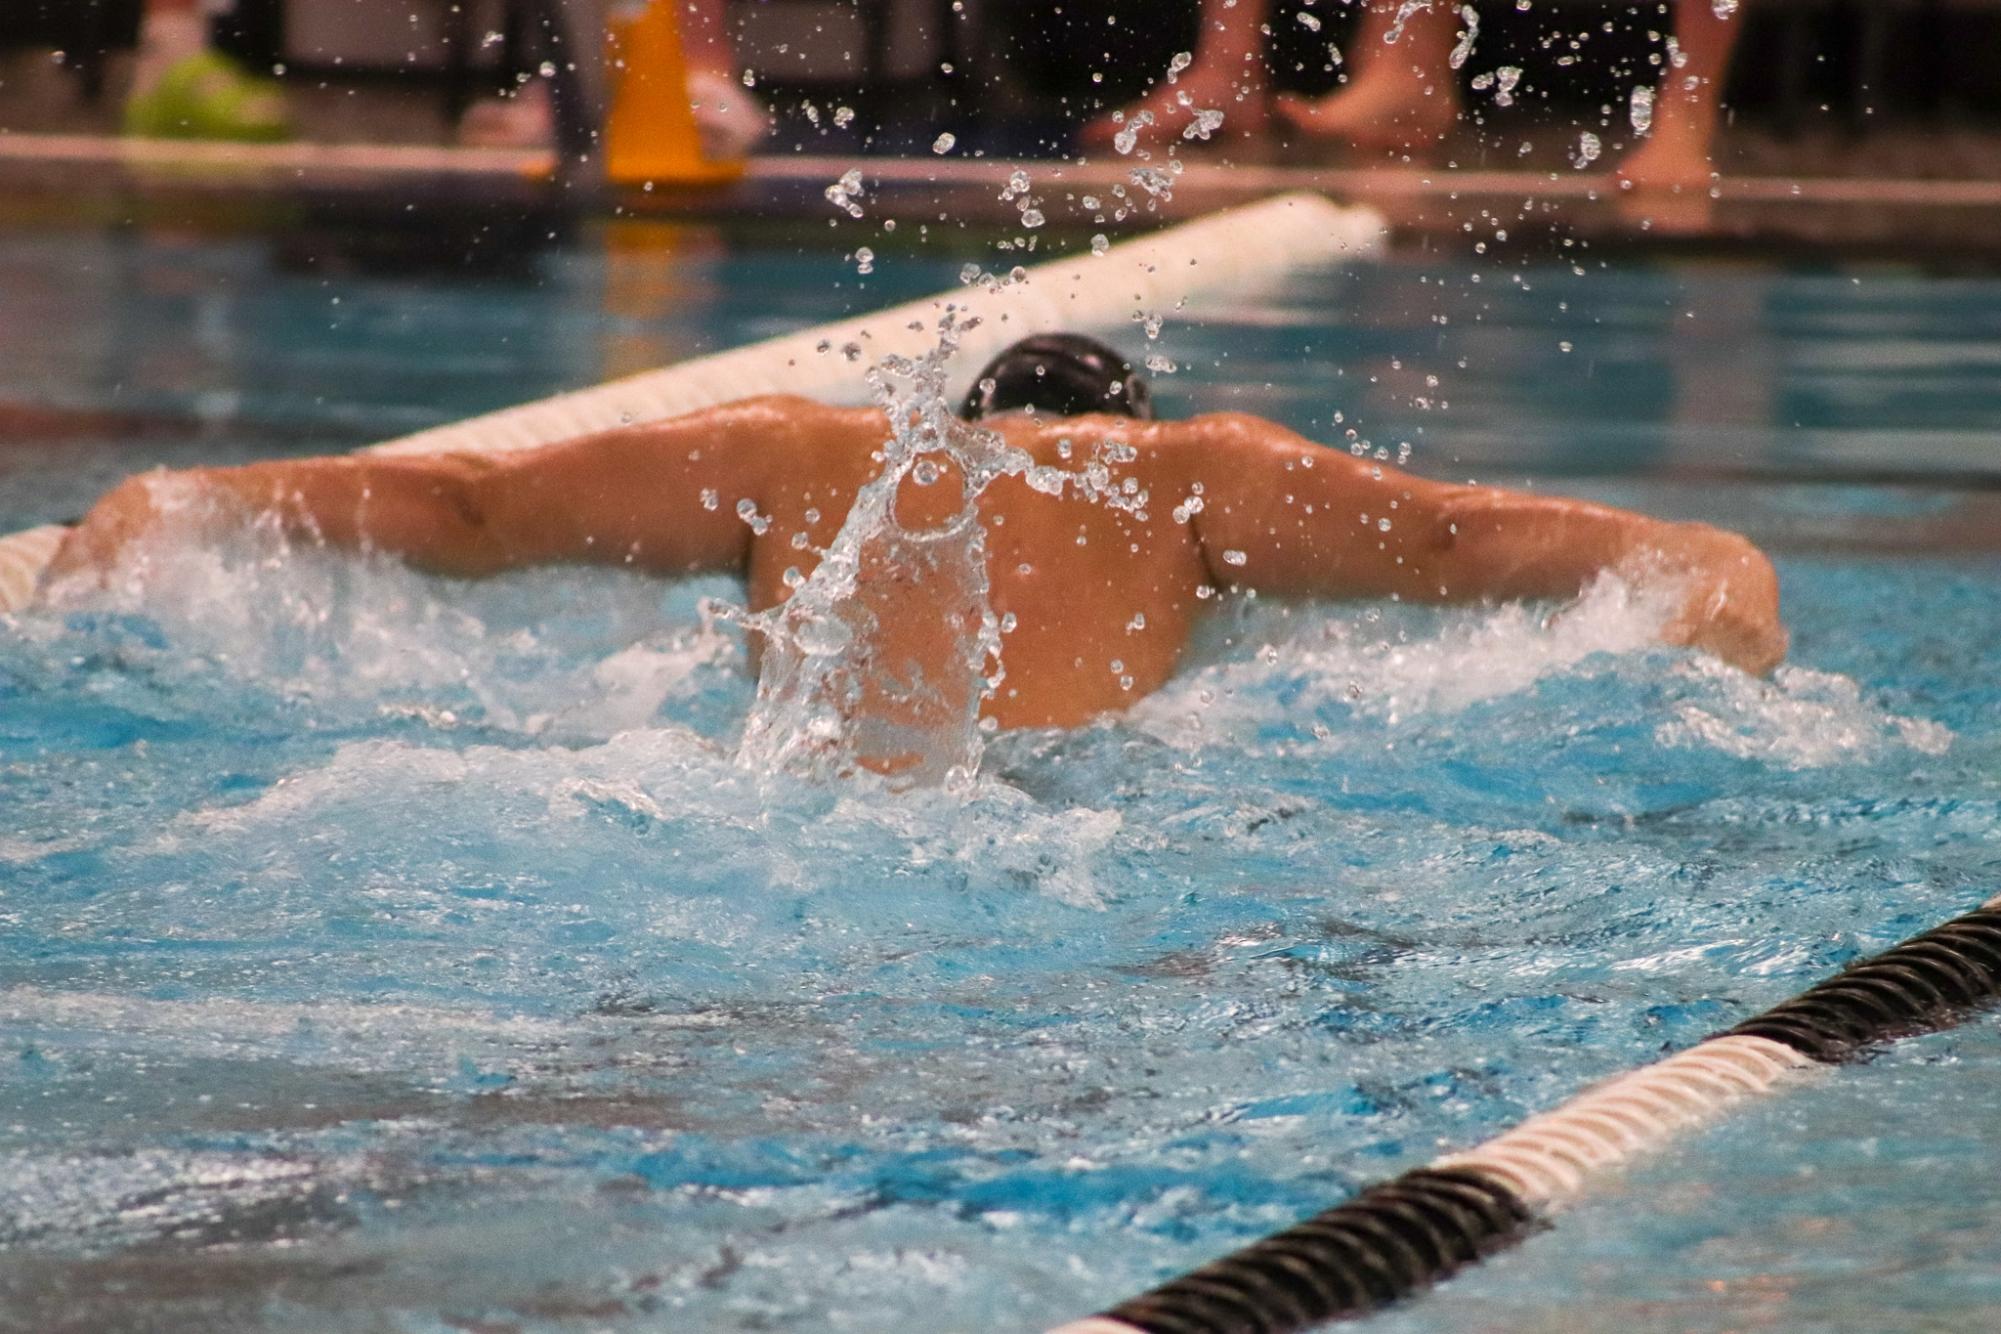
[650,132]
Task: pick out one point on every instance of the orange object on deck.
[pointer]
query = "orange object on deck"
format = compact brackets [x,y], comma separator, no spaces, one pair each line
[650,133]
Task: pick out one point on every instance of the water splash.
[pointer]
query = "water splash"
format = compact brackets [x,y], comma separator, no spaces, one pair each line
[1464,48]
[854,676]
[1641,109]
[1405,12]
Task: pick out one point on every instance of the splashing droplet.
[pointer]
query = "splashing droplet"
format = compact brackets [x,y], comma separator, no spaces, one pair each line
[1642,109]
[1471,33]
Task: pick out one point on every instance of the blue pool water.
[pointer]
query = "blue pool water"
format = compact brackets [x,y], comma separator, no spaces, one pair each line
[378,953]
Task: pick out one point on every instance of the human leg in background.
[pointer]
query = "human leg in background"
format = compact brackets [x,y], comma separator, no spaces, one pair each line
[183,90]
[1403,93]
[1226,74]
[567,104]
[730,119]
[1688,107]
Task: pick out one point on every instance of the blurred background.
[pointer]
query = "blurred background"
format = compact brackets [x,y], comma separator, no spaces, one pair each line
[236,227]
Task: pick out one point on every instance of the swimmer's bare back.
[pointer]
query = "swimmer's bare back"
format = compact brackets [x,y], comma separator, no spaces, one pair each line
[1101,598]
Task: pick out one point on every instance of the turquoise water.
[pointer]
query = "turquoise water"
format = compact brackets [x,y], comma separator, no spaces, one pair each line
[382,953]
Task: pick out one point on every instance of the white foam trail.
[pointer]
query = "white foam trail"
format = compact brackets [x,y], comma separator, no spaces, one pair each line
[1801,719]
[1371,666]
[1376,671]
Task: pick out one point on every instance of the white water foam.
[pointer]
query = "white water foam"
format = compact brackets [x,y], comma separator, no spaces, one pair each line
[1801,719]
[1373,667]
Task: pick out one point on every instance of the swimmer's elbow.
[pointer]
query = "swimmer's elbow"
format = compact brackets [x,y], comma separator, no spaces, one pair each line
[439,518]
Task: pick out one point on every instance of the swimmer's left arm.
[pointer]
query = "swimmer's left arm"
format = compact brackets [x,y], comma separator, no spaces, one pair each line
[1283,514]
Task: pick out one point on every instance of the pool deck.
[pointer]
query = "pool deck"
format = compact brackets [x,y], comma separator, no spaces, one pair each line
[1919,215]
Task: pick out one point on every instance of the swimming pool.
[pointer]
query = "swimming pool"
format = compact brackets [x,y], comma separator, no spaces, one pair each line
[381,953]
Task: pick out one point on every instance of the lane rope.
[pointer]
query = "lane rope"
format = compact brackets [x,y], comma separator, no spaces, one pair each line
[1403,1235]
[1248,249]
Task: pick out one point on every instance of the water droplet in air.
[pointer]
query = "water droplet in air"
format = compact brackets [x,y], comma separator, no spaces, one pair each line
[846,192]
[1642,109]
[1205,124]
[1467,37]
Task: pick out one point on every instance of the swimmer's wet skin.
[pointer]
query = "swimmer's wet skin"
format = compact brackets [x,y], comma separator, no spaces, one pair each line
[1099,599]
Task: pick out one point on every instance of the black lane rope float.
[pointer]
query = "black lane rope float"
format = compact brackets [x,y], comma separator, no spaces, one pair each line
[1410,1232]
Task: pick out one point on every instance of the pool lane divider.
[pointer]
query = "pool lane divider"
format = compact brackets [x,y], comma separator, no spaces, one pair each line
[1403,1235]
[1253,249]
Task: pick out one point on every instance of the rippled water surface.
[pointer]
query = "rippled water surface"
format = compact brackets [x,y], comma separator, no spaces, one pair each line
[383,953]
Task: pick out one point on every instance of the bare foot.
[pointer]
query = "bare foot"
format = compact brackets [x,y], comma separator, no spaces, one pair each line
[1187,108]
[1672,162]
[1382,110]
[526,119]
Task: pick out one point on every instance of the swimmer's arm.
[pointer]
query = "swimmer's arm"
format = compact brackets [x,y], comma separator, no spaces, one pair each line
[1287,516]
[660,497]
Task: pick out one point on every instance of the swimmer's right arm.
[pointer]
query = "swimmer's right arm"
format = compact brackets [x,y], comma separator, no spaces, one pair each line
[661,497]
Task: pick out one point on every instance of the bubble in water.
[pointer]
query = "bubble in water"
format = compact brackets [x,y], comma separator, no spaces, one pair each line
[709,498]
[1234,557]
[844,116]
[1100,244]
[1309,21]
[943,143]
[1181,61]
[1723,9]
[1032,218]
[864,260]
[1588,149]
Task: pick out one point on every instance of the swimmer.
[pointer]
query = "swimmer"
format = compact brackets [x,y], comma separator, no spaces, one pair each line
[1235,503]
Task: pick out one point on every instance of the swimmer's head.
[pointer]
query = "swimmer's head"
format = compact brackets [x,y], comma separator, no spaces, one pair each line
[1060,374]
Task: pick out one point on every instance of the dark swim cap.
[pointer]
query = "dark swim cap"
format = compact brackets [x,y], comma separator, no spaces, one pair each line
[1063,374]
